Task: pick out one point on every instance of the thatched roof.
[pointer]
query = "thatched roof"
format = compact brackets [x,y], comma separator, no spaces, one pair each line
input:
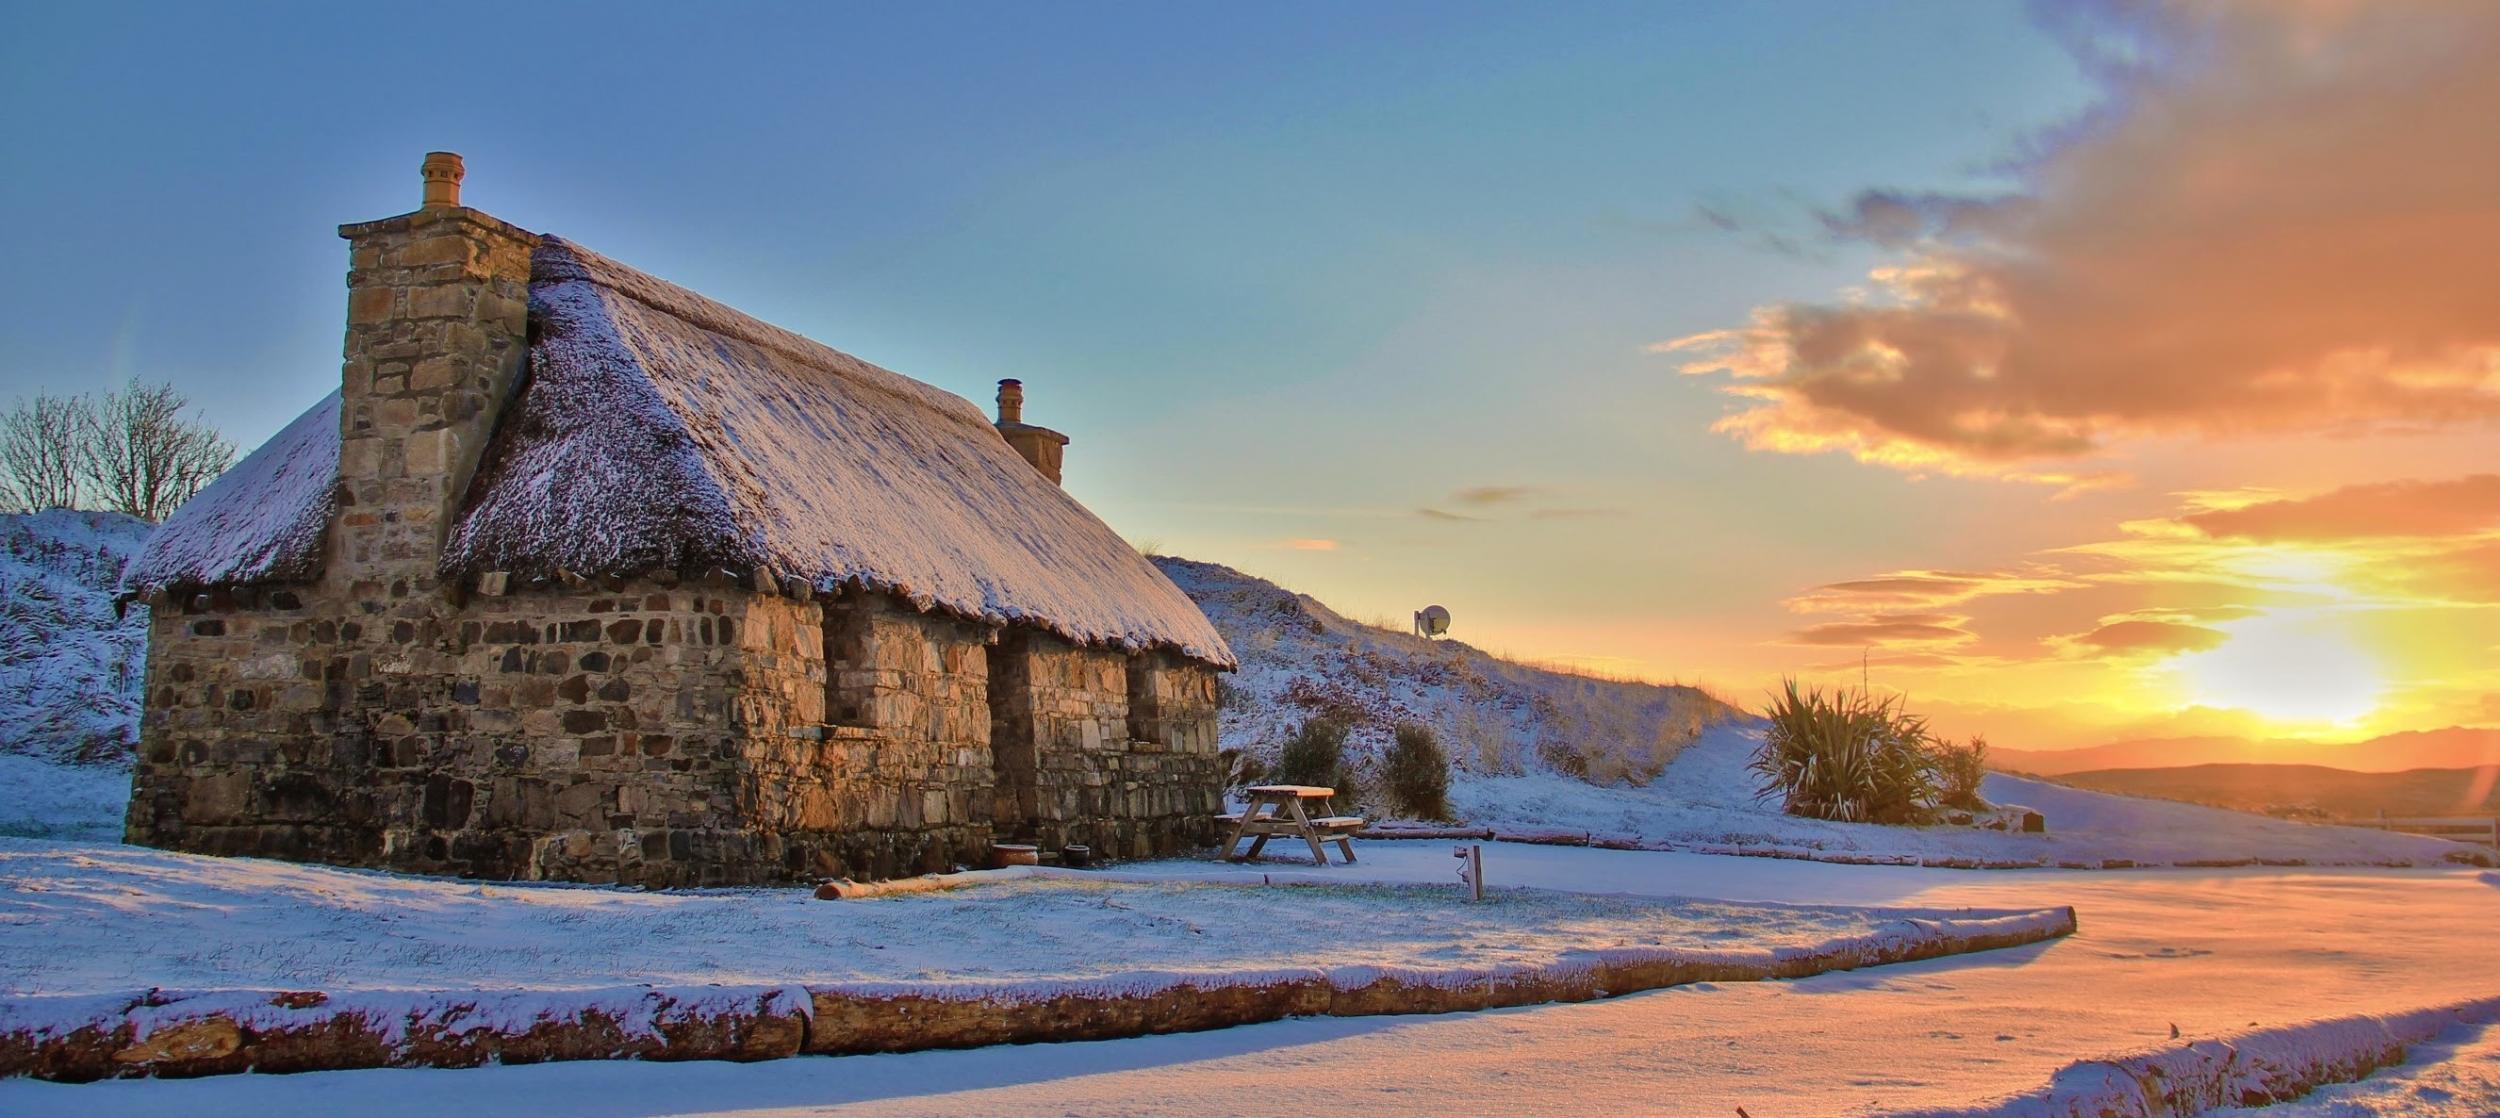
[658,430]
[261,521]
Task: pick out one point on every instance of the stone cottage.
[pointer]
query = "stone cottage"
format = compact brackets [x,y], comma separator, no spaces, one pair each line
[583,576]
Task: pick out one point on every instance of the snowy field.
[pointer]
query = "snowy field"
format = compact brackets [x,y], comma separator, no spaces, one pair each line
[79,919]
[1705,800]
[45,799]
[2210,951]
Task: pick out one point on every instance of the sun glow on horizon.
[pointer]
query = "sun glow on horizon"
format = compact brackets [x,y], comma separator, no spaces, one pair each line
[2304,667]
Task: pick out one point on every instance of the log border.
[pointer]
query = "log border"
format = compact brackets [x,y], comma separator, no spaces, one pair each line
[170,1034]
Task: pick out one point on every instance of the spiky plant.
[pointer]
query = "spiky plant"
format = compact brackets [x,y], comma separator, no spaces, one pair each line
[1847,756]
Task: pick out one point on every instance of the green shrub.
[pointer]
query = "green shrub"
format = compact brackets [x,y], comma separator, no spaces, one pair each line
[1416,774]
[1847,756]
[1960,768]
[1315,755]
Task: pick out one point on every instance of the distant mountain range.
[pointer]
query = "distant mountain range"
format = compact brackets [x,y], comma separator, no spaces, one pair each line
[2457,747]
[2309,790]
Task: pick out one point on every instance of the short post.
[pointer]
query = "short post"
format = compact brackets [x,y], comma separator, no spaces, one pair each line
[1471,869]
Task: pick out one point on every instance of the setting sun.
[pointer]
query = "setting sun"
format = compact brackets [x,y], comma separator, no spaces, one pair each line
[2292,667]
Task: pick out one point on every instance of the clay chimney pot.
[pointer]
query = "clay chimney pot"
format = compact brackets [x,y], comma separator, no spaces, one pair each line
[443,171]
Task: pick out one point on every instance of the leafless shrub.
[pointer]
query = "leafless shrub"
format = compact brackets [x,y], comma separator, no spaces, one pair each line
[41,442]
[143,458]
[132,451]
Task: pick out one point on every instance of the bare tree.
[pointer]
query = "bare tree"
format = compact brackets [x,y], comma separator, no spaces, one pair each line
[140,456]
[42,452]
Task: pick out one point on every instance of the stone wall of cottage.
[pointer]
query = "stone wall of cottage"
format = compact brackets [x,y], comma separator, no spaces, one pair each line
[644,734]
[870,756]
[1070,769]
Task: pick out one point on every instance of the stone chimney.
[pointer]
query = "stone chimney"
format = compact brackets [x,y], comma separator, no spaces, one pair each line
[437,331]
[1040,446]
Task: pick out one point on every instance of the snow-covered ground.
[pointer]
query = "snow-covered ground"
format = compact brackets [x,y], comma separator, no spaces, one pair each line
[1705,800]
[81,919]
[47,799]
[2211,951]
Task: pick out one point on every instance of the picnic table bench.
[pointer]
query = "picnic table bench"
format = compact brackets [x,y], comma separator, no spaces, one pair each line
[1278,809]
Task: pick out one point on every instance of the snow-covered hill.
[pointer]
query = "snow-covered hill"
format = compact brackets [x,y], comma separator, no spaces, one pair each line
[1541,753]
[1495,717]
[69,666]
[69,673]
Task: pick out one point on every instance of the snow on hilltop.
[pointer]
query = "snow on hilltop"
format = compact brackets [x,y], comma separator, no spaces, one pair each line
[1495,717]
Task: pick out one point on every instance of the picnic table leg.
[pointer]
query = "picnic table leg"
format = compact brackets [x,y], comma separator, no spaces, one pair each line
[1302,823]
[1248,813]
[1345,843]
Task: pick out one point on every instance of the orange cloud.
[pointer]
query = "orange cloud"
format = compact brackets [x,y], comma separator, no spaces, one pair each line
[2135,637]
[1885,630]
[2281,222]
[1311,545]
[2399,508]
[1922,588]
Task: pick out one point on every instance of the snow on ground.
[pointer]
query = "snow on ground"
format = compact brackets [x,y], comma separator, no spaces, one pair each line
[2459,1077]
[44,799]
[1706,799]
[2209,950]
[81,919]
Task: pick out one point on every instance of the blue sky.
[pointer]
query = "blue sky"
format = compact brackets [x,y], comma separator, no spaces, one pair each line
[1285,272]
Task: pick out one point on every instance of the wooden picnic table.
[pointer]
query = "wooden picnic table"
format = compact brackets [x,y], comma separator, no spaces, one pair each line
[1277,809]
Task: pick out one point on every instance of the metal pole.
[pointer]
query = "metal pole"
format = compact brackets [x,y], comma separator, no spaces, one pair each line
[1475,867]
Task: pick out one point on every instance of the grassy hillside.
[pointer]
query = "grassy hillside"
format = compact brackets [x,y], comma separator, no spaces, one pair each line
[1495,717]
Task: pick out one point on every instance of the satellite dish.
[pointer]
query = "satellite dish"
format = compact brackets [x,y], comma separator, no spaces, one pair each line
[1432,621]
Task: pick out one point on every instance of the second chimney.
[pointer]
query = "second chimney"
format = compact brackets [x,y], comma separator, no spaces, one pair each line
[1040,446]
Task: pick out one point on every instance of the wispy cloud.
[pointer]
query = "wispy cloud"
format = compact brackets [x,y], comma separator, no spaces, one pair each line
[1430,513]
[1887,630]
[1488,496]
[1311,545]
[1925,588]
[2139,638]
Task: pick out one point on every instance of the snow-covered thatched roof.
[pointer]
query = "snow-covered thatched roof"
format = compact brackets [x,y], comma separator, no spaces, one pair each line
[261,521]
[658,430]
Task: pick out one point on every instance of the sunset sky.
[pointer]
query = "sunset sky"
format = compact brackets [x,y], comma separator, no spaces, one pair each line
[2083,371]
